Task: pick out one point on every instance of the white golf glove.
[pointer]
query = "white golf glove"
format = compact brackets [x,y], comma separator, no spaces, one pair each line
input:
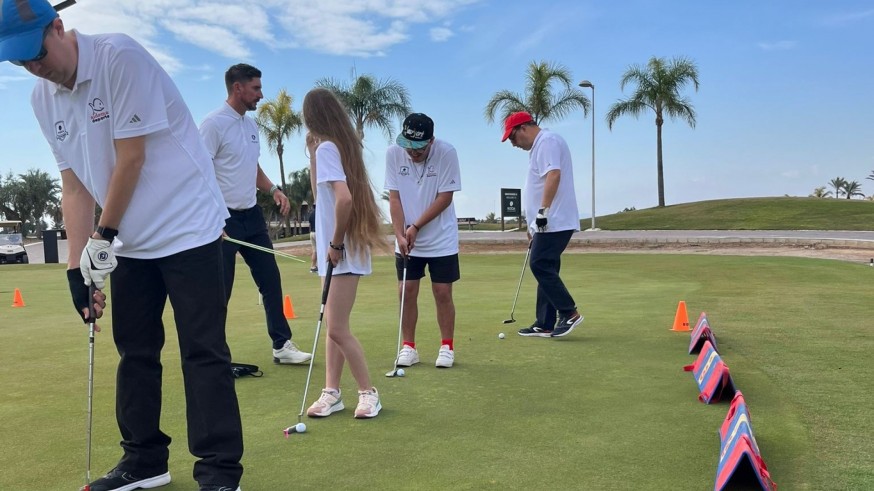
[97,261]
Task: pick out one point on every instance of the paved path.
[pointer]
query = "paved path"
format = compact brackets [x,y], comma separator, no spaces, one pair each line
[814,238]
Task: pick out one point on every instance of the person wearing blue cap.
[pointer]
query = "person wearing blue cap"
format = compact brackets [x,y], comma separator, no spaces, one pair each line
[422,175]
[123,138]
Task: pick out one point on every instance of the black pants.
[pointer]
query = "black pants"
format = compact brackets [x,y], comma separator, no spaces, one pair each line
[248,226]
[193,281]
[545,262]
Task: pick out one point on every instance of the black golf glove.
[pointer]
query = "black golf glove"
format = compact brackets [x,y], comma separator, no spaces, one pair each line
[79,291]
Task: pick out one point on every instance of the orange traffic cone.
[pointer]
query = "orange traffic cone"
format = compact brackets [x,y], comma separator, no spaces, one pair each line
[289,310]
[17,301]
[681,320]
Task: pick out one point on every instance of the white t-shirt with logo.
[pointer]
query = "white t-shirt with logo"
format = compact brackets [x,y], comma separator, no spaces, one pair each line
[550,152]
[232,141]
[329,169]
[122,92]
[418,185]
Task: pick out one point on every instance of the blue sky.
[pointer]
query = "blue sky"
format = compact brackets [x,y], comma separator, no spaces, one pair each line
[784,105]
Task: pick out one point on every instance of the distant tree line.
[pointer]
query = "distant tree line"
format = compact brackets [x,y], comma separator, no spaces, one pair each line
[842,189]
[33,198]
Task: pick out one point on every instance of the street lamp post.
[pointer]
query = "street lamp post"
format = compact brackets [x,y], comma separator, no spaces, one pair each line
[586,83]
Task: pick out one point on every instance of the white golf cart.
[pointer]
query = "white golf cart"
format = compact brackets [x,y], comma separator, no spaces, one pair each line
[12,243]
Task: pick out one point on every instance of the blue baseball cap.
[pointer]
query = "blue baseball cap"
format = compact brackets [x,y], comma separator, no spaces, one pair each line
[22,24]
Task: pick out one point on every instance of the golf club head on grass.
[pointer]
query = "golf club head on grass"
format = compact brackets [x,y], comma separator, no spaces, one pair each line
[509,321]
[397,372]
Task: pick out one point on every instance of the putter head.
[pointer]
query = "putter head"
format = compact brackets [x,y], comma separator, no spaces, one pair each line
[509,321]
[392,373]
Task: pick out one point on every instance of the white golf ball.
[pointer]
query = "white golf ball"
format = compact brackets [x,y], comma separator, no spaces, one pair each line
[501,336]
[300,427]
[401,372]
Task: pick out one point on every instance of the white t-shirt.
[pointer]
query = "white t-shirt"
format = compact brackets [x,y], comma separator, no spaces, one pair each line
[328,170]
[232,141]
[550,152]
[418,185]
[122,92]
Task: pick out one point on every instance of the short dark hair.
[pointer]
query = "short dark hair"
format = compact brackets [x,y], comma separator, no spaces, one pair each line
[240,72]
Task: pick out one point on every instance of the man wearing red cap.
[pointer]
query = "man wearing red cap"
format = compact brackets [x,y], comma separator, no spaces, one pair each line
[550,197]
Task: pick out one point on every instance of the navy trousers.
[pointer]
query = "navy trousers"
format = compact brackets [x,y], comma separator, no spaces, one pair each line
[545,263]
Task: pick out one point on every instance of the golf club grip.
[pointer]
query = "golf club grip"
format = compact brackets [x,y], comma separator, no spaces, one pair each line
[328,275]
[91,315]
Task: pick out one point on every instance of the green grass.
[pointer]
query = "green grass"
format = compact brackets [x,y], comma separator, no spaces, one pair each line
[747,214]
[608,407]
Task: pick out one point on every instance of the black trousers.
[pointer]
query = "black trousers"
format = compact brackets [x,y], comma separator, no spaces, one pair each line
[192,280]
[248,226]
[545,262]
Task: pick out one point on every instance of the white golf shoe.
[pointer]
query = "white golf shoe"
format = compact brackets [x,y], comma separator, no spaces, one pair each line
[289,354]
[408,356]
[368,404]
[445,357]
[329,403]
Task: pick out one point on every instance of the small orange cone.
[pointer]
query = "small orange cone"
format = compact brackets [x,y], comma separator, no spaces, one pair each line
[289,310]
[17,301]
[681,320]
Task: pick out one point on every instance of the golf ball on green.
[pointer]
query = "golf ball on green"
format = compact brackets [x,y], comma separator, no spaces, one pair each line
[501,336]
[401,372]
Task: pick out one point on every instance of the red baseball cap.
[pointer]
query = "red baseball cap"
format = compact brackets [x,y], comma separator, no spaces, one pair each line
[513,121]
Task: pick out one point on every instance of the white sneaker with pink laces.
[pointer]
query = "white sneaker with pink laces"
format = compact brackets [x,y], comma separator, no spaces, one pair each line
[368,404]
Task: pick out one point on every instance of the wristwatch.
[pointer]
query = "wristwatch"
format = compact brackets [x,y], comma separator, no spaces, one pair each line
[543,211]
[107,233]
[273,189]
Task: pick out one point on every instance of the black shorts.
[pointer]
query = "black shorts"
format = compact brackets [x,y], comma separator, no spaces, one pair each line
[443,269]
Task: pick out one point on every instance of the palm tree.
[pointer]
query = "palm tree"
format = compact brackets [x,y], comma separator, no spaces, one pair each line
[371,102]
[386,196]
[658,88]
[277,122]
[820,192]
[838,183]
[853,188]
[540,99]
[871,175]
[299,192]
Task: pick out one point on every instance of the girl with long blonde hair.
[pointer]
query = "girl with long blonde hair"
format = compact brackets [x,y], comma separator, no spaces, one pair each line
[348,227]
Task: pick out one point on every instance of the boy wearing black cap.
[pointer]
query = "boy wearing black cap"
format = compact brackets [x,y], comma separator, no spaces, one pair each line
[421,175]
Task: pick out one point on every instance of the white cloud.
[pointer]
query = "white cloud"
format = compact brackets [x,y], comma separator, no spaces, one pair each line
[778,46]
[849,17]
[337,27]
[440,34]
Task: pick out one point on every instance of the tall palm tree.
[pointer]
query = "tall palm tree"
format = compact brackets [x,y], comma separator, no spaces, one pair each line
[371,102]
[838,183]
[658,88]
[853,188]
[278,121]
[541,99]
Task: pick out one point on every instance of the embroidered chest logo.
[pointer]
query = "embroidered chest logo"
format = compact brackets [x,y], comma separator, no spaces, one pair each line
[405,171]
[98,111]
[431,171]
[61,132]
[254,138]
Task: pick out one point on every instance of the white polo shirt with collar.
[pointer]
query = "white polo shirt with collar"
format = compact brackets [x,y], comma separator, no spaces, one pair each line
[232,141]
[122,92]
[418,185]
[550,152]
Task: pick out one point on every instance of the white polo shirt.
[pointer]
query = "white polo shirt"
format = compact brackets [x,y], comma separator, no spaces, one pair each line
[329,169]
[550,152]
[122,92]
[232,141]
[418,185]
